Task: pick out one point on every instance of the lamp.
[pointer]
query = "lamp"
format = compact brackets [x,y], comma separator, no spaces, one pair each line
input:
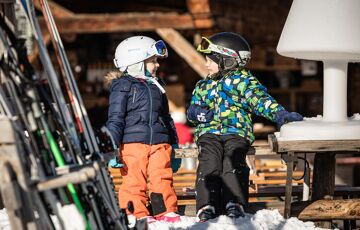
[328,31]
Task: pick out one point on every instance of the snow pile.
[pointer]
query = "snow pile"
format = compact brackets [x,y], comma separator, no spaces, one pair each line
[263,219]
[317,118]
[355,117]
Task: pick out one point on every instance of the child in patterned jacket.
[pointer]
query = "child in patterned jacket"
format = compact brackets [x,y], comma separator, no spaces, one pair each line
[221,108]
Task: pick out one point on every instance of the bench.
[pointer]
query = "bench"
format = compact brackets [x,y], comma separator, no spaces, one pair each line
[184,184]
[267,189]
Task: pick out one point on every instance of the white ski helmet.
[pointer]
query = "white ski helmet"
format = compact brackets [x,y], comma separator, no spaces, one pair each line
[137,49]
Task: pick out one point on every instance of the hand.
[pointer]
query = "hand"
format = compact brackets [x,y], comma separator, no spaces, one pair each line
[283,117]
[175,162]
[115,163]
[200,114]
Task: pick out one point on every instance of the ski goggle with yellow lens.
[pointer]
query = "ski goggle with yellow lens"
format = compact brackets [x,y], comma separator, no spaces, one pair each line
[207,47]
[159,49]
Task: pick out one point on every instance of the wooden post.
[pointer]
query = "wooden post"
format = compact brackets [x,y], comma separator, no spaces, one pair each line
[14,181]
[288,188]
[184,49]
[17,202]
[323,176]
[323,180]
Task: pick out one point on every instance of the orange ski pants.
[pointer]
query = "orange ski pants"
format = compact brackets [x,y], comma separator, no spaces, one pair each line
[147,163]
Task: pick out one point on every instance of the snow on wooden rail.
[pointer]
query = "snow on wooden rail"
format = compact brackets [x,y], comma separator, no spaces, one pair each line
[257,148]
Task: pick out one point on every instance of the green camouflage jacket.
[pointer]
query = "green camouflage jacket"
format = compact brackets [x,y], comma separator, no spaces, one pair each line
[233,98]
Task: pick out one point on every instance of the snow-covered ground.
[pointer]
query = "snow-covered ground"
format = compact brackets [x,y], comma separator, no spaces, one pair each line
[263,219]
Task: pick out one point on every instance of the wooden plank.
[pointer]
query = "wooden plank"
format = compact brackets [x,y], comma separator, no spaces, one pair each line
[187,178]
[13,201]
[187,202]
[7,1]
[280,174]
[191,179]
[7,134]
[11,154]
[126,22]
[276,181]
[277,191]
[258,149]
[184,49]
[332,209]
[348,161]
[196,7]
[281,146]
[14,184]
[57,10]
[186,153]
[85,174]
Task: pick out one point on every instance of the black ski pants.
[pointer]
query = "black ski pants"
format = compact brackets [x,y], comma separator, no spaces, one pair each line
[222,174]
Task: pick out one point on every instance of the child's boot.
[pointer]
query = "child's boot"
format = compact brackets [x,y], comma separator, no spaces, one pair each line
[206,213]
[171,217]
[234,210]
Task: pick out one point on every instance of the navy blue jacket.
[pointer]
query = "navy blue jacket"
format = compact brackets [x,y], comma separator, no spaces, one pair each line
[139,113]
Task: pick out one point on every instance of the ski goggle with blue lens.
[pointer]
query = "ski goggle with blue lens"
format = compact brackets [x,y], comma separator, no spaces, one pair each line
[160,49]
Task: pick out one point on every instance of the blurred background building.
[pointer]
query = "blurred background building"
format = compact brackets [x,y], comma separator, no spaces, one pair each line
[91,30]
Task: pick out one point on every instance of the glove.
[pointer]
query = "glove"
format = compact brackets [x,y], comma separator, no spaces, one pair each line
[283,117]
[115,163]
[200,114]
[175,162]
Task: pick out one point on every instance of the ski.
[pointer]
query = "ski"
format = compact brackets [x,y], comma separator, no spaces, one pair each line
[27,148]
[49,131]
[102,184]
[34,113]
[78,105]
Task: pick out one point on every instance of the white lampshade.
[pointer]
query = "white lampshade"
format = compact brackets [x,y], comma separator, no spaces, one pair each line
[328,31]
[322,30]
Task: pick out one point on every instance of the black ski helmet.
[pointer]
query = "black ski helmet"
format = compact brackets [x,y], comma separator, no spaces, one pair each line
[234,42]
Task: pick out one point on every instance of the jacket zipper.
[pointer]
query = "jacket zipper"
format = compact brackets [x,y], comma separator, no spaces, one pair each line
[150,116]
[134,95]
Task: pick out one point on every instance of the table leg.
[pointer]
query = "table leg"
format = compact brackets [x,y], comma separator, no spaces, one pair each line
[288,188]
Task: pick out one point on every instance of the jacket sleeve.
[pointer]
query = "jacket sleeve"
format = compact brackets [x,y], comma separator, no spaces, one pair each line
[169,123]
[117,111]
[257,97]
[197,104]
